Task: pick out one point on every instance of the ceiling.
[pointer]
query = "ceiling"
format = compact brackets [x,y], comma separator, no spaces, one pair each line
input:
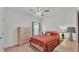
[31,11]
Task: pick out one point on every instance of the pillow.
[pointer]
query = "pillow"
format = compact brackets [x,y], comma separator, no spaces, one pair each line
[52,33]
[48,34]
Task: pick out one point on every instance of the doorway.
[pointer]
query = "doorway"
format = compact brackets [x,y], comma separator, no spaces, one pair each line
[35,28]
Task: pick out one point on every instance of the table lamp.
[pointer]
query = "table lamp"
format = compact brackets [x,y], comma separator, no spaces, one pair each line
[62,30]
[71,30]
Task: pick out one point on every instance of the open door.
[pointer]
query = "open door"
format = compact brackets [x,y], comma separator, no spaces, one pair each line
[35,28]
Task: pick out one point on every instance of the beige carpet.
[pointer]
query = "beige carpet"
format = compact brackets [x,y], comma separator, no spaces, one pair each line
[22,48]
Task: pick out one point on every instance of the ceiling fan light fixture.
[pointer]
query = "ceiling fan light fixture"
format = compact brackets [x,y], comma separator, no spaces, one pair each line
[46,10]
[38,14]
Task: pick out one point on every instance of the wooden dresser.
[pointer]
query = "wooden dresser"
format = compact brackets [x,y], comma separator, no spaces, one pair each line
[23,35]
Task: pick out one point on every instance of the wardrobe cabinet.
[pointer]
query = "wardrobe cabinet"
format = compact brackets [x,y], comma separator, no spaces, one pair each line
[23,35]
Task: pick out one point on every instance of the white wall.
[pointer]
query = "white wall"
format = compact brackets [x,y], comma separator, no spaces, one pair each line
[1,28]
[13,20]
[67,18]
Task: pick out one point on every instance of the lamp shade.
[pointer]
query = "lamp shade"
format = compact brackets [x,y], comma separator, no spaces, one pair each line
[71,29]
[62,29]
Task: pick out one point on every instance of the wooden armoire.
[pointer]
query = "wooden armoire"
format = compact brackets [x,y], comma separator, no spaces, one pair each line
[23,35]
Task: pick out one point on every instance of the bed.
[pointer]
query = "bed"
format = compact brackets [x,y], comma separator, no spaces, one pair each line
[45,43]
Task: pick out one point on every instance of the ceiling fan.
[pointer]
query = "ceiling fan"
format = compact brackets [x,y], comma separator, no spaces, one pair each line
[40,11]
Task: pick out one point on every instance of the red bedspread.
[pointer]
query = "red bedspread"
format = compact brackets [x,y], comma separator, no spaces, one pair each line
[48,43]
